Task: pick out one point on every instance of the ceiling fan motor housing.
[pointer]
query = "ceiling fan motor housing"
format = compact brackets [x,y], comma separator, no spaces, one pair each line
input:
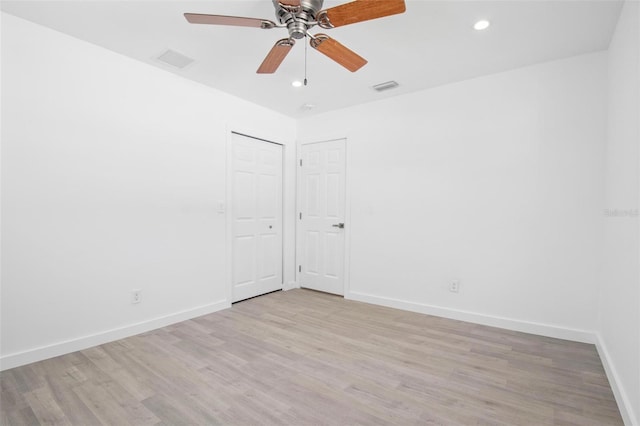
[297,29]
[298,19]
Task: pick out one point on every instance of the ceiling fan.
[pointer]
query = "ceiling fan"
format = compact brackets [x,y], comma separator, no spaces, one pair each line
[299,16]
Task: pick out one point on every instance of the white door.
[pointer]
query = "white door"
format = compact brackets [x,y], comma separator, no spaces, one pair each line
[322,216]
[256,216]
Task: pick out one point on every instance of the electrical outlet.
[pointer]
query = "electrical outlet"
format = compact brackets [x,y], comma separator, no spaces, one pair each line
[136,296]
[454,286]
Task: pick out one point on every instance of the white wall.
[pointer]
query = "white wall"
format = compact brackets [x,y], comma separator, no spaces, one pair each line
[111,175]
[619,322]
[495,181]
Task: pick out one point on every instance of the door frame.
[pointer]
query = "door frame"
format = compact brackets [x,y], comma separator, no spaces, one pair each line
[228,207]
[347,210]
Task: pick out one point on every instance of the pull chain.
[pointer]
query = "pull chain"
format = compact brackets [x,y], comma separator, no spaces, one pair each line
[305,62]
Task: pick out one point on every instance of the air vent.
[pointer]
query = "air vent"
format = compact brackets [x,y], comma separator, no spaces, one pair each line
[307,107]
[385,86]
[175,59]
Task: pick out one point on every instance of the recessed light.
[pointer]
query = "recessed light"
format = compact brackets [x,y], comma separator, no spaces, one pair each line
[297,83]
[481,25]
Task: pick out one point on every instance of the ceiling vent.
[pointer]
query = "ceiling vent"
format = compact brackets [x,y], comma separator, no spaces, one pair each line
[175,59]
[385,86]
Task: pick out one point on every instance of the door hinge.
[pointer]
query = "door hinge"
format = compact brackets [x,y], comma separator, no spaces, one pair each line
[299,268]
[300,215]
[301,162]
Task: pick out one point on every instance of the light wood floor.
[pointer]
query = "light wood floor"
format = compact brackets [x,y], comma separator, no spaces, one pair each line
[307,358]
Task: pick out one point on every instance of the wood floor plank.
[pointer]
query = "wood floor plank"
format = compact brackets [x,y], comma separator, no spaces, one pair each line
[45,407]
[307,358]
[74,409]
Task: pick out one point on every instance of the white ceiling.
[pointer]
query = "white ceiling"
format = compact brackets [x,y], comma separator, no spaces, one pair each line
[433,43]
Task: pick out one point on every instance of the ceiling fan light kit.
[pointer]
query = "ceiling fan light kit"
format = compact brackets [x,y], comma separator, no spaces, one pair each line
[299,16]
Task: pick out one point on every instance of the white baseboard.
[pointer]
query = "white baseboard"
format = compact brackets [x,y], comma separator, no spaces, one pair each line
[540,329]
[290,286]
[68,346]
[624,405]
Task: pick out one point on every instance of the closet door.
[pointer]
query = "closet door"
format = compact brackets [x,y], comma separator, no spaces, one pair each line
[256,217]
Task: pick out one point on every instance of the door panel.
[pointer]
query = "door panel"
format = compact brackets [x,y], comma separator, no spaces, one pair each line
[244,266]
[268,258]
[256,217]
[322,205]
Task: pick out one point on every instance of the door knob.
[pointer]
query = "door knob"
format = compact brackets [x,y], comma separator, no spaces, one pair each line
[338,225]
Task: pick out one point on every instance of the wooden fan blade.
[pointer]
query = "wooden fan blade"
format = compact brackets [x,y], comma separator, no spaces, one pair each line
[275,57]
[290,3]
[339,53]
[198,18]
[358,11]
